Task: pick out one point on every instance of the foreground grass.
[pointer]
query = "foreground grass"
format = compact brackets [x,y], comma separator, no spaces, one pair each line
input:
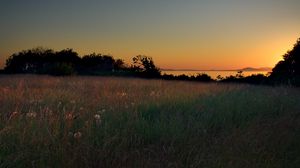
[119,122]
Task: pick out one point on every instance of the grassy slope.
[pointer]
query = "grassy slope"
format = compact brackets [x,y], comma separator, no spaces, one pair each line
[54,122]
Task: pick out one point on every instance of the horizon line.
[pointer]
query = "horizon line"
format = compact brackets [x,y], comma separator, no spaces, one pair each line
[241,69]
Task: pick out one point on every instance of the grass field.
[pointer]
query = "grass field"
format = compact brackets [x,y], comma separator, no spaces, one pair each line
[122,122]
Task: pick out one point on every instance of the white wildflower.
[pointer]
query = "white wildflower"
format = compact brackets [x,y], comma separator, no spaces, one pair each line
[97,116]
[31,115]
[77,135]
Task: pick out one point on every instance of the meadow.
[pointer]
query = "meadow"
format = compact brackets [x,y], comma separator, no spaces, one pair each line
[128,122]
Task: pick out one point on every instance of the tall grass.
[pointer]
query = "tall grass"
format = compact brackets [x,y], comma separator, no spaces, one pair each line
[122,122]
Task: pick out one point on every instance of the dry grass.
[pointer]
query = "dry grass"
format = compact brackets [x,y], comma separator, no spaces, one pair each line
[122,122]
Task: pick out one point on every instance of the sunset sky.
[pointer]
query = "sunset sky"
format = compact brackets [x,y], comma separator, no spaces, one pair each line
[178,34]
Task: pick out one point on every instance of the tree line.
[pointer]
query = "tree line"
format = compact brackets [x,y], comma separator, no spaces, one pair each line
[68,62]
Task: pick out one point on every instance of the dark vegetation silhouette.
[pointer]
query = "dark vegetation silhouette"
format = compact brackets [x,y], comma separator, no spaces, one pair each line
[43,61]
[68,62]
[97,64]
[145,67]
[202,77]
[257,79]
[287,71]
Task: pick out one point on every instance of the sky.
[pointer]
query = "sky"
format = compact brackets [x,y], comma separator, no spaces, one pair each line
[177,34]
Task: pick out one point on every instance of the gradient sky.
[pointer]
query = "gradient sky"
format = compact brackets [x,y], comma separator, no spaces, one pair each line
[193,34]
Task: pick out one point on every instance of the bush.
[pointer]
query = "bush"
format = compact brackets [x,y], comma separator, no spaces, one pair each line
[62,69]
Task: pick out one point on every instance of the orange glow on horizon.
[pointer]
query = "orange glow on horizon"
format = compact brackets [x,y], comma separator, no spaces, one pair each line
[264,53]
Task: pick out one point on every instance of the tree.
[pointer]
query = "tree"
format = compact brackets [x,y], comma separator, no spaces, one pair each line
[97,63]
[287,71]
[119,64]
[145,66]
[67,56]
[28,61]
[43,61]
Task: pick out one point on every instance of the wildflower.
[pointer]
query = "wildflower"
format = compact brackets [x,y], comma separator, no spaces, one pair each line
[69,116]
[122,94]
[77,135]
[97,116]
[13,114]
[98,119]
[31,115]
[152,93]
[103,110]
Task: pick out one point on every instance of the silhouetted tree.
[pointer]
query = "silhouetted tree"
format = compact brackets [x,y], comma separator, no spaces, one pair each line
[28,61]
[287,71]
[145,67]
[67,56]
[64,62]
[97,63]
[119,65]
[42,61]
